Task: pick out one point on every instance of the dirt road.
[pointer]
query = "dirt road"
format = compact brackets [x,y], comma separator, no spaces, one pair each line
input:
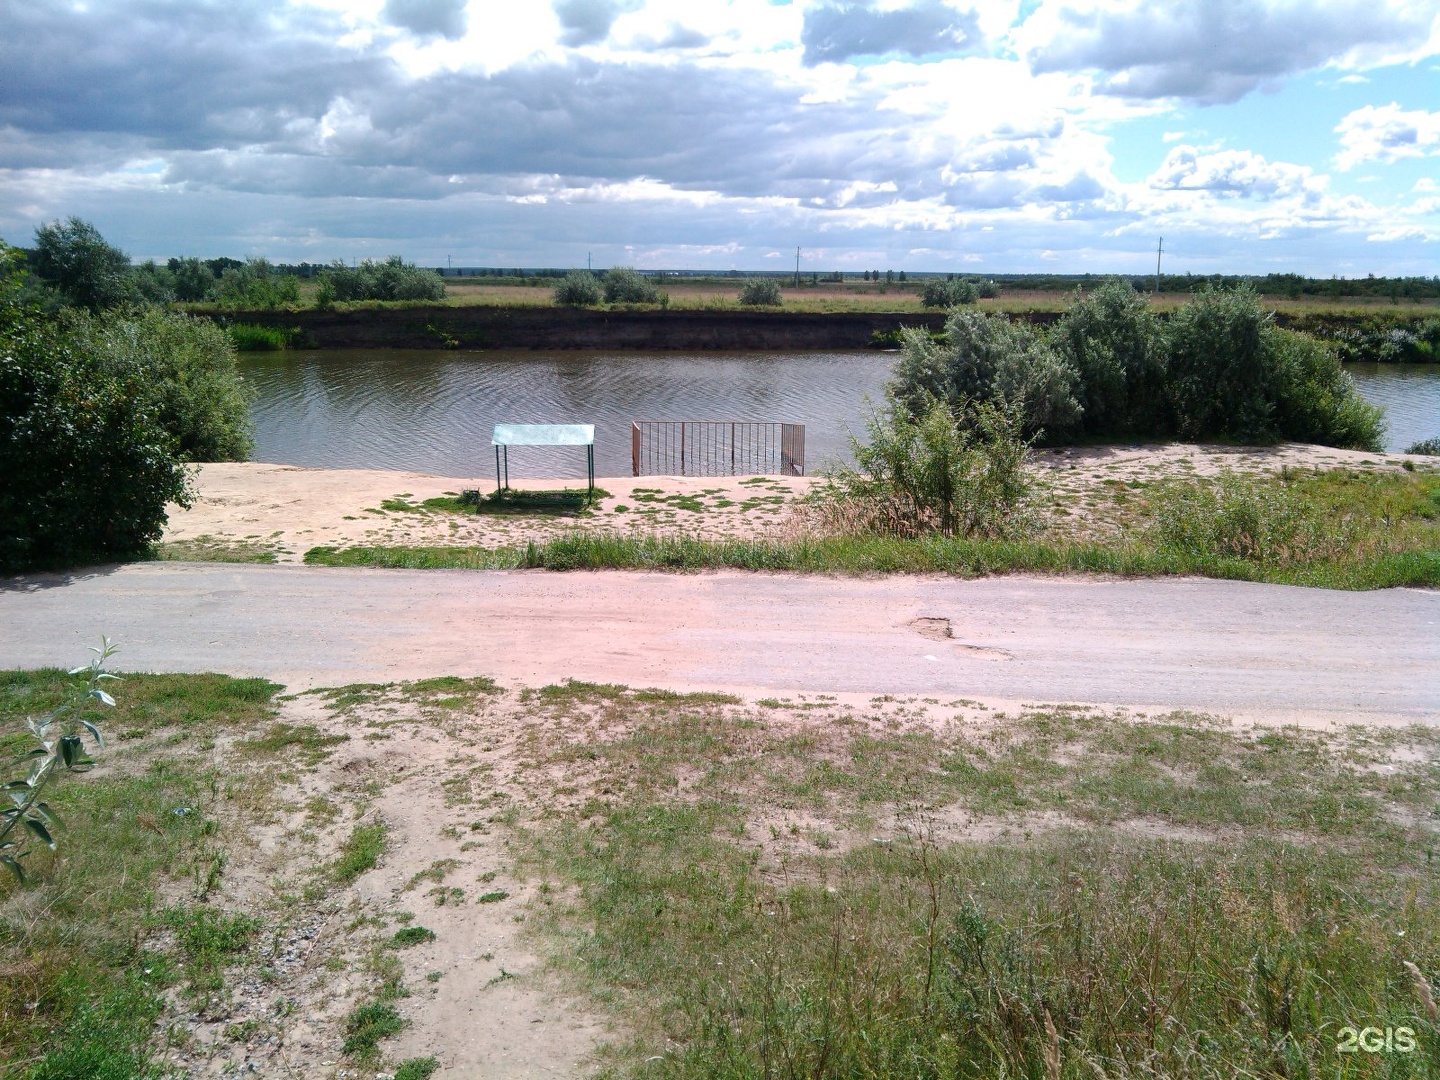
[1242,649]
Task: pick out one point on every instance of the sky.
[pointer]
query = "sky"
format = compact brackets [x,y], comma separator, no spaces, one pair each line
[967,136]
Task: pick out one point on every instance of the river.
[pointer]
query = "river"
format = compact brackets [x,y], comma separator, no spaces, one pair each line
[432,411]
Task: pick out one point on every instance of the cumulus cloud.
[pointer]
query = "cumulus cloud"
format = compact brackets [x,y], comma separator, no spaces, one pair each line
[1242,173]
[1215,51]
[837,32]
[288,127]
[174,74]
[427,18]
[587,22]
[1386,133]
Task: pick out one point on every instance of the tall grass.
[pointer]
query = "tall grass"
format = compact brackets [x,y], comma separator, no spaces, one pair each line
[1281,908]
[1338,530]
[252,337]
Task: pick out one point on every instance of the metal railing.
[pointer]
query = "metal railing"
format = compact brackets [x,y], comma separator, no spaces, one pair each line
[716,448]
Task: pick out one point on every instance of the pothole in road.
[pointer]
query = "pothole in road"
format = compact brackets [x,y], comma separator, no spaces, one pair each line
[937,628]
[932,627]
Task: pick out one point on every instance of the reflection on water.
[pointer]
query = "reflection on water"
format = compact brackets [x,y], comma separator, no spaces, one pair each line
[433,411]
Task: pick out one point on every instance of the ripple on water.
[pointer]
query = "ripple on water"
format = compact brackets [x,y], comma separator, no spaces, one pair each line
[432,411]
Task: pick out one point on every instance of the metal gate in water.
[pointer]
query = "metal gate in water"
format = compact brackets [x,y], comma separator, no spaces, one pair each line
[716,448]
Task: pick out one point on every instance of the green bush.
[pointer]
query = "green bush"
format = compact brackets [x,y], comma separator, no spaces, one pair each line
[1219,379]
[1428,447]
[942,293]
[187,366]
[1109,369]
[1315,399]
[986,358]
[760,292]
[935,472]
[392,279]
[256,286]
[87,462]
[1116,347]
[626,286]
[578,288]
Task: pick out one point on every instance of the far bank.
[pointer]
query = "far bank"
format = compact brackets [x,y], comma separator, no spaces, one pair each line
[1360,336]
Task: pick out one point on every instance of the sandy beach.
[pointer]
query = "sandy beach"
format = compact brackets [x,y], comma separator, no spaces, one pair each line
[288,509]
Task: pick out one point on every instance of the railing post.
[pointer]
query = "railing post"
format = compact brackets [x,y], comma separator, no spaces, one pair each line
[634,448]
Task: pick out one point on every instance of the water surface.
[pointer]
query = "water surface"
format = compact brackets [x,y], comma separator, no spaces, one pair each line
[1411,396]
[433,411]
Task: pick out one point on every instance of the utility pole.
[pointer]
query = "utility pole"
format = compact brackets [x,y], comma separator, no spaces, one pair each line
[1159,250]
[797,267]
[587,262]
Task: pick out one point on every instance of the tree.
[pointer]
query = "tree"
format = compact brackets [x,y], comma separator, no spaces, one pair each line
[193,279]
[86,465]
[391,279]
[82,267]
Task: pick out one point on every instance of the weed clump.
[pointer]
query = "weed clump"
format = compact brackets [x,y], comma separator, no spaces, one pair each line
[419,1068]
[368,1024]
[410,936]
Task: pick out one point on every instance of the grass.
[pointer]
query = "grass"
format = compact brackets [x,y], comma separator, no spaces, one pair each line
[419,1068]
[567,502]
[208,942]
[83,972]
[913,888]
[252,337]
[1340,529]
[858,296]
[300,742]
[214,549]
[411,935]
[368,1024]
[1059,893]
[360,852]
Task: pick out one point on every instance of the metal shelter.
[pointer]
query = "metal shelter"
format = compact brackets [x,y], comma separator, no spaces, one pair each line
[508,435]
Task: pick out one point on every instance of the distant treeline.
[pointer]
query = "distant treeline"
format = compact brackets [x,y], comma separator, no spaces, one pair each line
[1290,286]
